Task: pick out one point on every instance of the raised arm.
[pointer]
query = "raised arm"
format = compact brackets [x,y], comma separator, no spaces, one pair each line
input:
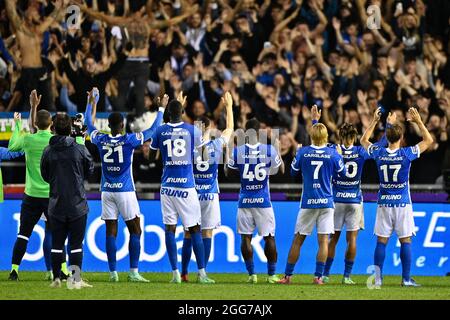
[315,114]
[227,100]
[13,17]
[34,103]
[173,21]
[110,20]
[162,106]
[17,138]
[93,97]
[366,136]
[427,139]
[56,15]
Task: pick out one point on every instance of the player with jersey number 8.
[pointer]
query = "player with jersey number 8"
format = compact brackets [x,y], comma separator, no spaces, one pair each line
[206,163]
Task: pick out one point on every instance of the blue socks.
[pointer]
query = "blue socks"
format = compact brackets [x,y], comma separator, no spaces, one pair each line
[250,267]
[271,266]
[199,249]
[47,247]
[328,264]
[171,248]
[186,253]
[111,250]
[380,253]
[405,257]
[207,246]
[134,246]
[289,269]
[348,268]
[320,266]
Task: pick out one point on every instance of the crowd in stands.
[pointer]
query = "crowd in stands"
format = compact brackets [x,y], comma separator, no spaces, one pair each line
[277,58]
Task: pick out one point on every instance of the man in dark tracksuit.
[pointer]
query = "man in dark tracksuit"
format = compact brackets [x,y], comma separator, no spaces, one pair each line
[64,165]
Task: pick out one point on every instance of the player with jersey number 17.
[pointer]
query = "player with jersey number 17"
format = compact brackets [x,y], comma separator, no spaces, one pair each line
[117,185]
[394,212]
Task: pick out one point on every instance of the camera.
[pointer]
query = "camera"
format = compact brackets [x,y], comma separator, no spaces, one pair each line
[78,127]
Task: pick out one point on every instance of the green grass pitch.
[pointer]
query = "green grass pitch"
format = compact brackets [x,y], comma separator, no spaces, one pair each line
[228,287]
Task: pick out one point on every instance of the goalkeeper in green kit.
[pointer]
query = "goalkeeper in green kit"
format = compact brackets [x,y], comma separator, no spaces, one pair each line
[36,197]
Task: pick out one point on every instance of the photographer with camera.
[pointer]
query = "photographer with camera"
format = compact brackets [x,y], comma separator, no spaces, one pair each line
[64,165]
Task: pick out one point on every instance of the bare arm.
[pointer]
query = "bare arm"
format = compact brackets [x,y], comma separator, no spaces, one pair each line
[34,103]
[427,139]
[173,21]
[13,17]
[56,15]
[368,133]
[323,21]
[227,100]
[110,20]
[148,8]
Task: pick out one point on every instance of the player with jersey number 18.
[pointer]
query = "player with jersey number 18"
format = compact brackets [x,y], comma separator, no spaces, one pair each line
[394,212]
[177,140]
[117,185]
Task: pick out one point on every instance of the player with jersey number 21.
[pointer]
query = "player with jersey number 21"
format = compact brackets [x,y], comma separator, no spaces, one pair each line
[117,185]
[318,163]
[394,212]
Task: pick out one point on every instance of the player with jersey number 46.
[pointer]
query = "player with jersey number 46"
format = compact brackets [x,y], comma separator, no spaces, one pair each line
[394,212]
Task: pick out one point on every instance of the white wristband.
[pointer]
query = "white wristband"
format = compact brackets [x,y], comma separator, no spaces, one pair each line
[161,109]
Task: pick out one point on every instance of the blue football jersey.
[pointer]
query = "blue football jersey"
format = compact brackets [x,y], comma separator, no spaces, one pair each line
[254,163]
[347,188]
[317,165]
[205,170]
[177,142]
[393,171]
[116,154]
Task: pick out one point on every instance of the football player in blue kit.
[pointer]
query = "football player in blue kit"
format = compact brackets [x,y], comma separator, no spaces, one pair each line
[348,206]
[207,160]
[394,212]
[318,163]
[255,162]
[117,184]
[176,141]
